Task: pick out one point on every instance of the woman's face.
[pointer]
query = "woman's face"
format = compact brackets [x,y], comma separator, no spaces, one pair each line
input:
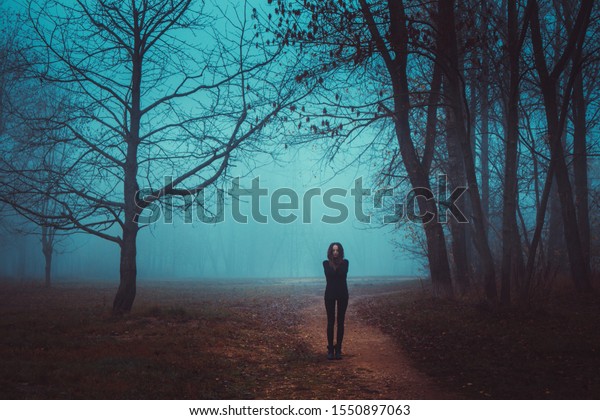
[335,251]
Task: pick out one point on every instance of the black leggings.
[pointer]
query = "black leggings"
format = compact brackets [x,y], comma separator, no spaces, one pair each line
[342,304]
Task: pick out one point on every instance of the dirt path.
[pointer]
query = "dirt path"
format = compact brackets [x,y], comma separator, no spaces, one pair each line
[370,355]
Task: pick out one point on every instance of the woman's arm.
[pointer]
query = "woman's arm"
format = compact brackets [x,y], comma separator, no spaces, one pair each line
[343,268]
[326,267]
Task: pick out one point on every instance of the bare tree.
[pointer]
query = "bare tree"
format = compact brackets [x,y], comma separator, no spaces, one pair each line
[30,170]
[29,160]
[167,96]
[362,53]
[555,118]
[395,56]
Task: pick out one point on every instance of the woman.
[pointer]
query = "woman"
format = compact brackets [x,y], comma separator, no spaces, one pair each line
[336,291]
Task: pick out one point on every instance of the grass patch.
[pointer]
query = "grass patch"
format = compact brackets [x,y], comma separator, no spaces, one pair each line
[181,341]
[549,352]
[199,341]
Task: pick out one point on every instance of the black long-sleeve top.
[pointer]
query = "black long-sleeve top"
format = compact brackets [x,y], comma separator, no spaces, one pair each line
[337,286]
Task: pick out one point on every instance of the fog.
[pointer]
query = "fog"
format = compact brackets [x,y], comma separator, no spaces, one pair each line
[175,247]
[172,248]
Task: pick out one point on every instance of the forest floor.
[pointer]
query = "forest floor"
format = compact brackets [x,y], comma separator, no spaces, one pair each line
[266,340]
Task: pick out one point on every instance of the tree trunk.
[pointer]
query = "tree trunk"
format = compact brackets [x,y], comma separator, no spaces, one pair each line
[48,269]
[580,169]
[455,169]
[556,247]
[432,118]
[511,243]
[484,154]
[437,254]
[128,268]
[47,250]
[579,266]
[437,257]
[128,260]
[419,177]
[449,49]
[485,141]
[128,272]
[537,234]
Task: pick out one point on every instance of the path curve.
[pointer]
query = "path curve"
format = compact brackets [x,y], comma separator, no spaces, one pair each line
[371,355]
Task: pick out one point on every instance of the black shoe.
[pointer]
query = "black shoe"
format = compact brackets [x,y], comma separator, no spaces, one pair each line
[330,353]
[338,352]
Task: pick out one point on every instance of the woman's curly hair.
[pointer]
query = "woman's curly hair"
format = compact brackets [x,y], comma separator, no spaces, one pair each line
[335,262]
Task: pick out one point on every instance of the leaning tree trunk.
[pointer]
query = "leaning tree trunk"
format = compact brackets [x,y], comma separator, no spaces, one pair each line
[437,257]
[396,65]
[437,254]
[525,291]
[579,266]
